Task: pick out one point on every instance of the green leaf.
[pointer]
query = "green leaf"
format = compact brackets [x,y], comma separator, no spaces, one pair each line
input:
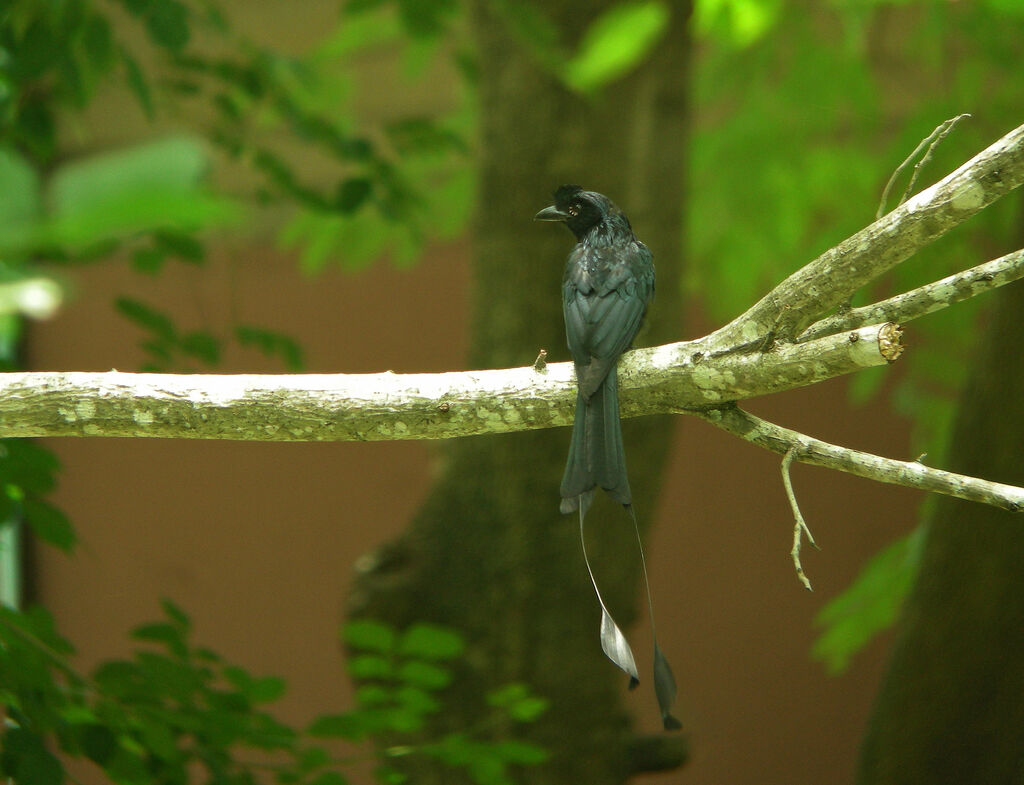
[870,604]
[329,778]
[180,245]
[202,345]
[401,720]
[138,83]
[148,260]
[19,195]
[416,700]
[264,689]
[176,614]
[866,384]
[28,466]
[389,776]
[38,622]
[158,738]
[147,318]
[370,666]
[369,635]
[49,524]
[507,694]
[518,702]
[161,632]
[313,758]
[424,674]
[352,193]
[167,24]
[522,752]
[98,42]
[358,32]
[120,678]
[343,726]
[373,695]
[272,343]
[615,43]
[26,760]
[487,769]
[528,709]
[151,186]
[739,22]
[98,743]
[25,463]
[177,162]
[127,767]
[431,642]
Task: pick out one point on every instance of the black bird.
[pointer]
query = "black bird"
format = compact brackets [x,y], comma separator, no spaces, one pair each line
[607,286]
[608,283]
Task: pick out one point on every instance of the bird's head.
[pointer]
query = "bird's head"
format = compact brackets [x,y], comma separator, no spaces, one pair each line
[580,210]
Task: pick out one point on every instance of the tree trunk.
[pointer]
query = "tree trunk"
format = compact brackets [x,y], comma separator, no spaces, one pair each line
[951,707]
[489,553]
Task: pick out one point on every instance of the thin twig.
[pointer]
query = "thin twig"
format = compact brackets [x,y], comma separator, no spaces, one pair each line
[816,452]
[932,140]
[925,299]
[799,524]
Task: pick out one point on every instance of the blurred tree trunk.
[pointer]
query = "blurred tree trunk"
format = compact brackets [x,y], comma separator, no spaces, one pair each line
[489,553]
[951,707]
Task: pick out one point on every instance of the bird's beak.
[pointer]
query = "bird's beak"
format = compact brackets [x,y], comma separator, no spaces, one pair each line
[551,213]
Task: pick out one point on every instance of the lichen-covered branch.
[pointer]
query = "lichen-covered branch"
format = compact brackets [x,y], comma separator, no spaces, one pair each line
[912,474]
[925,299]
[753,355]
[387,406]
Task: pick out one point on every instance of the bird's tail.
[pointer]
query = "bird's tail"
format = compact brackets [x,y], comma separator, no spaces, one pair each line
[596,456]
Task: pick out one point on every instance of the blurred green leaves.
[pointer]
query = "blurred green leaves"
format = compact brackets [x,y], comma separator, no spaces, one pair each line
[173,710]
[156,186]
[870,604]
[616,42]
[735,22]
[28,473]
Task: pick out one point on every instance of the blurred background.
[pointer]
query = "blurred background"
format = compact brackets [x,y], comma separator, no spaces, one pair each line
[267,187]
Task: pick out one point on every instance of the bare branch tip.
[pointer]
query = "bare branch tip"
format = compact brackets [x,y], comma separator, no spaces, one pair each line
[930,142]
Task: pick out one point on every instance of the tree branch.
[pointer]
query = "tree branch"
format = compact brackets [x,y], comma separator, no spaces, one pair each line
[385,406]
[912,474]
[751,356]
[925,299]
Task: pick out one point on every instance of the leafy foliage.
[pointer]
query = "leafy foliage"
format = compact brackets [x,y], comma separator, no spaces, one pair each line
[154,187]
[869,605]
[615,42]
[174,708]
[28,473]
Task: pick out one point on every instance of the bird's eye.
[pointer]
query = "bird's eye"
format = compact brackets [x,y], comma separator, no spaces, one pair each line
[574,211]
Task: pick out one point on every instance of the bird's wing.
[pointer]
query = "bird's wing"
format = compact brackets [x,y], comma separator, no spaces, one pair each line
[601,321]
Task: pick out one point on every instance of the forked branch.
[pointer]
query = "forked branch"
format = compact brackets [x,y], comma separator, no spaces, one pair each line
[755,354]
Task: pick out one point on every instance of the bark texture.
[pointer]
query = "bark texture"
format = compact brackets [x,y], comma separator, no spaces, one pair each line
[389,406]
[489,553]
[951,707]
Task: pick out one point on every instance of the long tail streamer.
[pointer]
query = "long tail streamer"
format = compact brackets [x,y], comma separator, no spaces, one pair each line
[613,642]
[664,680]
